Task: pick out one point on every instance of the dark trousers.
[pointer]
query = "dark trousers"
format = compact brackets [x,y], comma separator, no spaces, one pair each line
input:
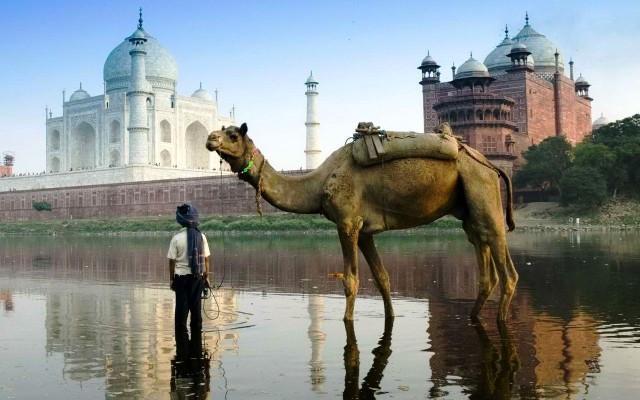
[188,290]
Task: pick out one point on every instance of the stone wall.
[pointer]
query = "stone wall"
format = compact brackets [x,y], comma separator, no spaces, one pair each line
[211,195]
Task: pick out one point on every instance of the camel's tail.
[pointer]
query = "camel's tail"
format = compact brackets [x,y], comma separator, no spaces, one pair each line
[479,157]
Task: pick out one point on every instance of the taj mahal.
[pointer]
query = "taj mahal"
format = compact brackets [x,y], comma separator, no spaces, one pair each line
[139,129]
[139,119]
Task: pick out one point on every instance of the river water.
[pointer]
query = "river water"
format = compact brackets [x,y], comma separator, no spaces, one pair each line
[92,317]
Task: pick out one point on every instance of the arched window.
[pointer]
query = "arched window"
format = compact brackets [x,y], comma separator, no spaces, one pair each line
[54,140]
[479,115]
[55,165]
[489,145]
[165,158]
[114,132]
[114,158]
[487,115]
[496,114]
[165,131]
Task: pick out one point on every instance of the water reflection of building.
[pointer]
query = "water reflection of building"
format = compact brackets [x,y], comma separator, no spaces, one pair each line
[317,338]
[123,335]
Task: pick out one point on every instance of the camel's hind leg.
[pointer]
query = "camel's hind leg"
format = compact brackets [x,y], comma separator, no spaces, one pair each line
[380,275]
[487,280]
[348,233]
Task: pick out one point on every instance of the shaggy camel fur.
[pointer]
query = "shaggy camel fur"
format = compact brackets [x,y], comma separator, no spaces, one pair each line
[398,194]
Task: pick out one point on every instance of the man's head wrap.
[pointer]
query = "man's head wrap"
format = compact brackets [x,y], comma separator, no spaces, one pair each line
[187,216]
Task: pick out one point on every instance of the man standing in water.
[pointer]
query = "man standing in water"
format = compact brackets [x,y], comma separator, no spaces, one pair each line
[188,273]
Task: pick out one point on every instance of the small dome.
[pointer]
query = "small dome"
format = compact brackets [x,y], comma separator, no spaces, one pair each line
[581,81]
[79,94]
[202,94]
[428,60]
[472,68]
[518,46]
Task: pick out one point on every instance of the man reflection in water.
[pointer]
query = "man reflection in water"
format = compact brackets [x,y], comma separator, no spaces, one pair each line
[188,273]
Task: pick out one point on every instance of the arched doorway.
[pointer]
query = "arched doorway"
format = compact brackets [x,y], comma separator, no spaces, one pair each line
[165,131]
[55,164]
[114,158]
[114,132]
[165,158]
[197,155]
[83,147]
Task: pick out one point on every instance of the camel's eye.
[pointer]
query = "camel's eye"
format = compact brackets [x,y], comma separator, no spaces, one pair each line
[233,136]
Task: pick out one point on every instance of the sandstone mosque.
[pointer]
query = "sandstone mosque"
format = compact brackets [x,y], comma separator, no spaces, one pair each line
[517,97]
[139,129]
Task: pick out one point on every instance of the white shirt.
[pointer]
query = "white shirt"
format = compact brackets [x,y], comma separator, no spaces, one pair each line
[178,251]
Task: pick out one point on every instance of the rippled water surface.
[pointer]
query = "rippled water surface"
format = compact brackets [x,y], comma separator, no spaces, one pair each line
[85,318]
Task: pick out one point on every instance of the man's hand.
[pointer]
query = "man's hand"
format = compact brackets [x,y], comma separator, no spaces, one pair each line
[207,284]
[171,282]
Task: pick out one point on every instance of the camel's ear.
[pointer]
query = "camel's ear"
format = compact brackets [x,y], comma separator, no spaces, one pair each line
[243,129]
[222,128]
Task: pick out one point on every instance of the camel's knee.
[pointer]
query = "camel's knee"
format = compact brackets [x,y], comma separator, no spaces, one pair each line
[350,284]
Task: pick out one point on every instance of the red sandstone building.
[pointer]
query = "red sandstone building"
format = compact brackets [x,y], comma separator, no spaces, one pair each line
[517,97]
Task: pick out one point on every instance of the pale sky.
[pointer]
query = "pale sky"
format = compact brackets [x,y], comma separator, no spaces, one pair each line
[259,53]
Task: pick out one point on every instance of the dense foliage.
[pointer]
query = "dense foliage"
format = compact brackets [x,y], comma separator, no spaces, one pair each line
[605,165]
[546,162]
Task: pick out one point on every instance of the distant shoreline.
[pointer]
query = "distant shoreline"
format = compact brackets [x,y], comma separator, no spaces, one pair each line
[534,217]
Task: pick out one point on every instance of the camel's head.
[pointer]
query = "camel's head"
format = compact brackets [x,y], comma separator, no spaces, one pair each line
[233,145]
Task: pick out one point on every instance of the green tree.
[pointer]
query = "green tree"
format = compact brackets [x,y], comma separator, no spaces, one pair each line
[622,138]
[582,186]
[600,157]
[546,162]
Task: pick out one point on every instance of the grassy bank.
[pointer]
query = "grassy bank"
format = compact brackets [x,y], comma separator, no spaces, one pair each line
[620,213]
[210,224]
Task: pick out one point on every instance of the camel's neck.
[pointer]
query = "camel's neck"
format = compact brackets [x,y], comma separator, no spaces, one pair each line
[300,194]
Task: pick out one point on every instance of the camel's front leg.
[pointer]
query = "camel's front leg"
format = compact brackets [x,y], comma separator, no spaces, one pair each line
[348,233]
[380,275]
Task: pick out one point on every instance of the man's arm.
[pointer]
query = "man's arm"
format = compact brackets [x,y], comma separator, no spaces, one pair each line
[172,272]
[207,268]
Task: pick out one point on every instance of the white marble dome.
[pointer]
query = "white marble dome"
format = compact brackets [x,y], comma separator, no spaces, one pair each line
[79,94]
[202,94]
[159,63]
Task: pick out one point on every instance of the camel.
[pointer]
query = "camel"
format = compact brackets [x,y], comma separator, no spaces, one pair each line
[398,194]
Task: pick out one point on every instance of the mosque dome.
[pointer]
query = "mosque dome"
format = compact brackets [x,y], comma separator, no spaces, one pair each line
[498,59]
[159,63]
[79,94]
[472,68]
[202,94]
[428,60]
[542,49]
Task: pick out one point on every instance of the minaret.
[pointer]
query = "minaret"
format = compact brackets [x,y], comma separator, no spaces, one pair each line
[139,90]
[312,150]
[429,82]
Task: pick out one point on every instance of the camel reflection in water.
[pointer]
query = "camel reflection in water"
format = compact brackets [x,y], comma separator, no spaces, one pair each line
[371,382]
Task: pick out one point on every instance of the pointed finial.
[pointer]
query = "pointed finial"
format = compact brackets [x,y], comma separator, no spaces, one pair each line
[506,31]
[140,18]
[526,18]
[200,85]
[471,54]
[80,85]
[428,53]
